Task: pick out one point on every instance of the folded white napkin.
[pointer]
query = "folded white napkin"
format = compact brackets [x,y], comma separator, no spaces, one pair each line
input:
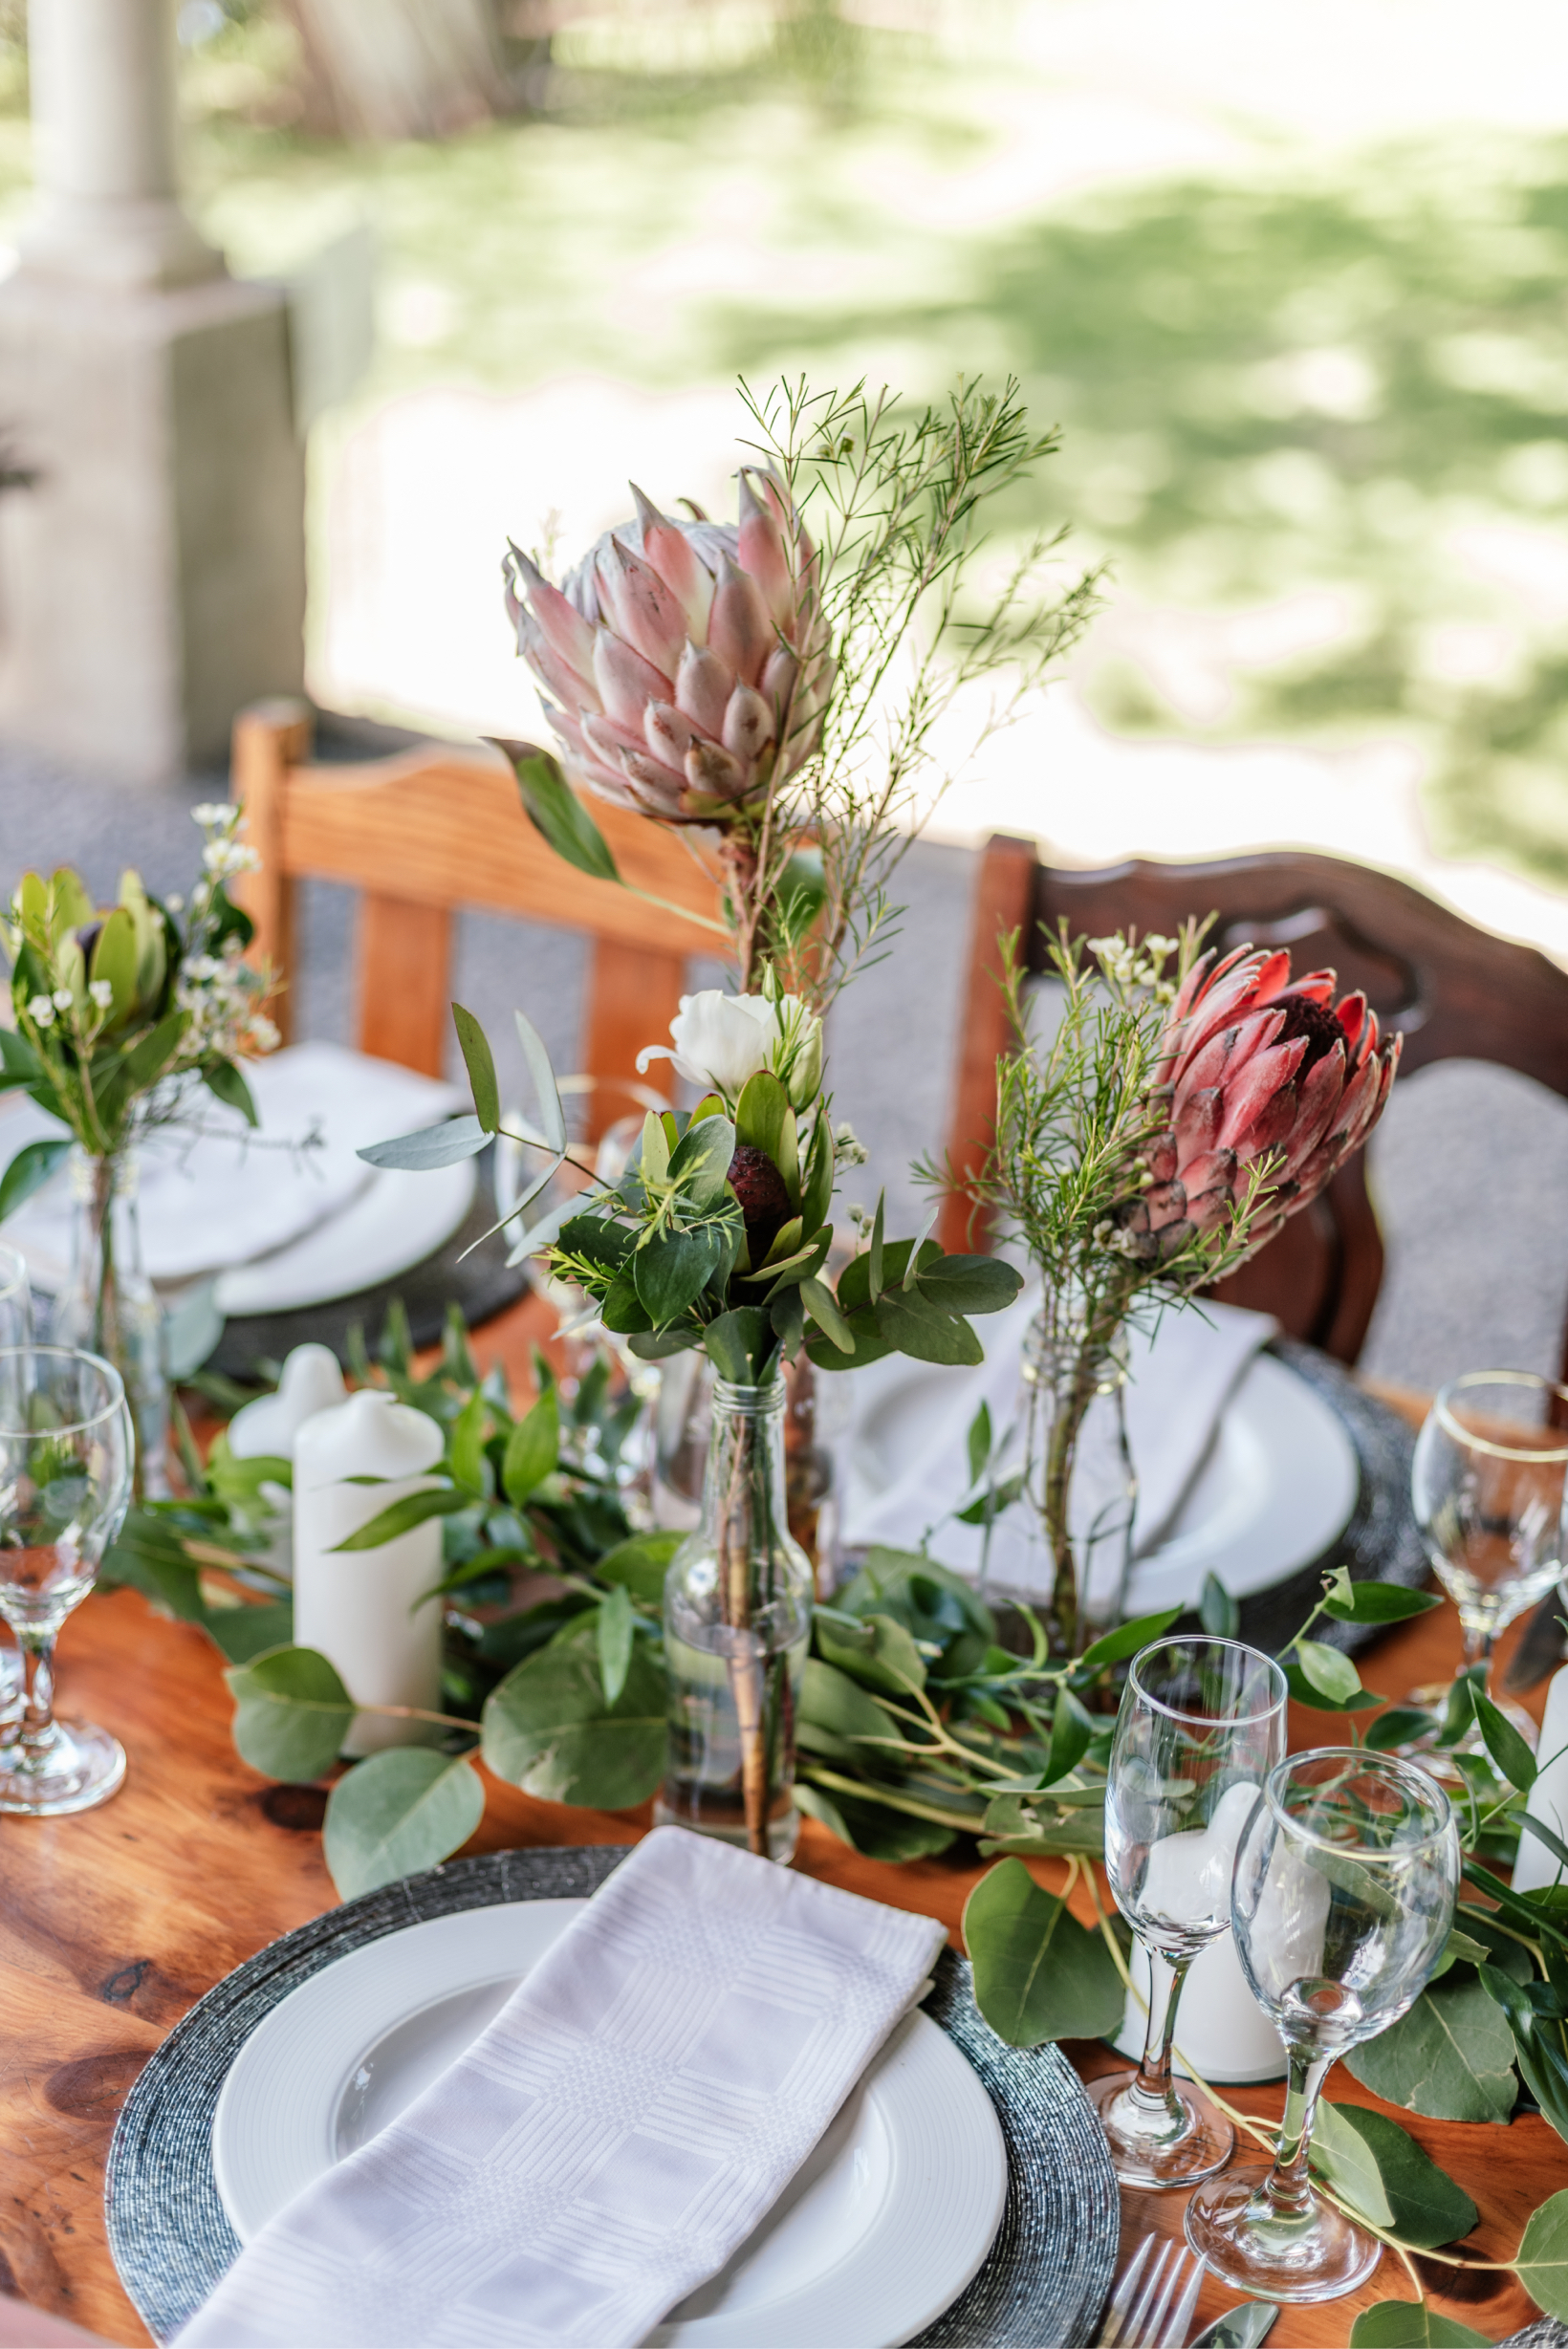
[904,1458]
[226,1198]
[614,2136]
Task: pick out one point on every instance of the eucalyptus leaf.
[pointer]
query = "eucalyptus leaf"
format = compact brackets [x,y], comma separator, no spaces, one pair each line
[820,1302]
[398,1813]
[869,1827]
[1451,2056]
[242,1633]
[481,1067]
[870,1345]
[924,1332]
[832,1700]
[739,1343]
[970,1284]
[535,1052]
[550,1729]
[1039,1974]
[1383,2173]
[532,1449]
[433,1145]
[292,1713]
[1541,2264]
[1412,2324]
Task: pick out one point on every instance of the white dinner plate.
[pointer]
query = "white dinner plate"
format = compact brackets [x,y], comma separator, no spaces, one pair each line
[396,1221]
[880,2231]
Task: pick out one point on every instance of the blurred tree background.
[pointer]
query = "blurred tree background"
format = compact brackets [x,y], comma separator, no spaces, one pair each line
[1312,397]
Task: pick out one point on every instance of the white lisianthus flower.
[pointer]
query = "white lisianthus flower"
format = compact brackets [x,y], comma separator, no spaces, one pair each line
[722,1040]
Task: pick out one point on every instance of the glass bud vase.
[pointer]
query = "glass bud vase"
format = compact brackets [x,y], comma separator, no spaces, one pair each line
[737,1624]
[1080,1490]
[110,1307]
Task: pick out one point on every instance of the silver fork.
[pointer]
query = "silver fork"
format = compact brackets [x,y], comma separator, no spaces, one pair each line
[1152,2305]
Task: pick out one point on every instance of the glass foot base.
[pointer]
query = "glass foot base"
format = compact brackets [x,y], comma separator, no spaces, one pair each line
[783,1829]
[1146,2150]
[81,1765]
[1319,2257]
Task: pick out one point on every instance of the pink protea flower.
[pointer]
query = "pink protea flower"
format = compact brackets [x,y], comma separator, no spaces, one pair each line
[1257,1066]
[687,661]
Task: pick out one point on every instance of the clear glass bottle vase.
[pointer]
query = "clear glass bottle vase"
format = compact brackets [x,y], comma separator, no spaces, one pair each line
[737,1625]
[110,1307]
[1080,1488]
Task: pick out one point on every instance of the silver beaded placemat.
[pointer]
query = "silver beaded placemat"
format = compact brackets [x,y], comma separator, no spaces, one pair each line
[1045,2278]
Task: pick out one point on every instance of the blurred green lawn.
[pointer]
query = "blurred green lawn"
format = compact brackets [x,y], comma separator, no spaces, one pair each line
[1312,375]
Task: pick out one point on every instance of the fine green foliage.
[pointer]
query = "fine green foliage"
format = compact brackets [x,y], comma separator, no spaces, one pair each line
[385,1818]
[292,1713]
[1039,1974]
[1410,2324]
[1379,2168]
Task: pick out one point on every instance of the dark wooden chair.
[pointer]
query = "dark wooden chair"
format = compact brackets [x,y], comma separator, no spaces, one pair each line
[432,829]
[1457,992]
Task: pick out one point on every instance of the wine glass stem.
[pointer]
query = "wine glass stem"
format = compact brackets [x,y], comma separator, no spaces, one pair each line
[1478,1640]
[38,1703]
[1167,1976]
[1286,2186]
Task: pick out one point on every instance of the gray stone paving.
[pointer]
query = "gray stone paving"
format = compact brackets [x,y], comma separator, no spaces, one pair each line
[1469,1166]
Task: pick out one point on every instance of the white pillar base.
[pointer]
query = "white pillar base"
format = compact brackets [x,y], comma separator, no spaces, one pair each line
[153,581]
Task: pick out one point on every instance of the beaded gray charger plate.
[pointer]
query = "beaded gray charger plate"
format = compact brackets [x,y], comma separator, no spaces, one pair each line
[1044,2280]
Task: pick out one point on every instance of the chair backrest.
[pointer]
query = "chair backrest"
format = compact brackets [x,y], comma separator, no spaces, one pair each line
[431,830]
[1456,991]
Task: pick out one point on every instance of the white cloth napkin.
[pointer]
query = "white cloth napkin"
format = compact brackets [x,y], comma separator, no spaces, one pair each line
[904,1456]
[611,2140]
[224,1198]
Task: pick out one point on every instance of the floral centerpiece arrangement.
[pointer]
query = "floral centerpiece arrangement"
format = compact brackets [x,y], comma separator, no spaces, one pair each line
[1181,1110]
[121,1012]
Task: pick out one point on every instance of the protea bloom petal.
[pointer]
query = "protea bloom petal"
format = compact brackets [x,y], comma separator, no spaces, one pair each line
[1255,1067]
[699,646]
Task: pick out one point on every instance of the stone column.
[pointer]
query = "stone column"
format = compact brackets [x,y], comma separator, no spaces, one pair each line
[152,580]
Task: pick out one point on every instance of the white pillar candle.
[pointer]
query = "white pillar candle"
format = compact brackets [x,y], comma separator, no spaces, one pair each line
[1548,1795]
[268,1428]
[358,1606]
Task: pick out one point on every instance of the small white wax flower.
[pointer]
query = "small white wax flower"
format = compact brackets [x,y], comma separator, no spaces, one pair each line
[42,1010]
[1187,1880]
[63,999]
[175,903]
[101,992]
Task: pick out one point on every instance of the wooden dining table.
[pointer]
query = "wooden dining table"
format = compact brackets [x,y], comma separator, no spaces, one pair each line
[115,1921]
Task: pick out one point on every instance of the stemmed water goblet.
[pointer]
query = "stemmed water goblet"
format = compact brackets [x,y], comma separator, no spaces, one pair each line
[1202,1723]
[1345,1880]
[1489,1484]
[15,1329]
[67,1451]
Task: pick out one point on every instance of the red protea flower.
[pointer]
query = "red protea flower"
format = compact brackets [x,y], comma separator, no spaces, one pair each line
[687,661]
[1257,1066]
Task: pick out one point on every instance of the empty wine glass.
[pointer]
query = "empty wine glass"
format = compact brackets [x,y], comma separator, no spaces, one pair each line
[15,1329]
[1344,1889]
[1200,1726]
[66,1456]
[1489,1483]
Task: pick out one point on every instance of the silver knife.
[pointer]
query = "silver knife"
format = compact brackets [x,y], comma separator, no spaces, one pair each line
[1239,2328]
[1540,1648]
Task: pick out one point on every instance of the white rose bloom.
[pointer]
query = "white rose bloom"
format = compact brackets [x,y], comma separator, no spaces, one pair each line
[719,1040]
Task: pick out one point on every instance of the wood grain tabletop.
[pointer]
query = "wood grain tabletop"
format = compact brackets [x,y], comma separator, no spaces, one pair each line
[114,1922]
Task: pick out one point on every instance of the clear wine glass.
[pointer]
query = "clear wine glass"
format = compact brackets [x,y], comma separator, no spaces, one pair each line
[15,1329]
[1200,1726]
[1345,1889]
[1489,1485]
[67,1452]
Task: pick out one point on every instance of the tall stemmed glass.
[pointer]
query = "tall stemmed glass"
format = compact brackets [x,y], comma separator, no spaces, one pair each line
[1345,1890]
[66,1456]
[1200,1726]
[1489,1487]
[15,1329]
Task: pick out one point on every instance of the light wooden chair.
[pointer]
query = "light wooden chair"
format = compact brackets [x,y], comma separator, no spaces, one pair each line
[433,829]
[1456,991]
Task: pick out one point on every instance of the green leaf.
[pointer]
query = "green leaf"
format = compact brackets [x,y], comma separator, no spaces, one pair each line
[970,1284]
[817,1184]
[1541,2264]
[1304,1693]
[242,1633]
[477,1059]
[465,1444]
[550,1729]
[869,1827]
[1072,1727]
[602,1242]
[396,1814]
[1217,1611]
[1411,2324]
[1039,1974]
[874,1262]
[1396,1728]
[640,1565]
[1503,1742]
[1126,1639]
[924,1332]
[876,1650]
[402,1516]
[292,1713]
[433,1145]
[532,1449]
[832,1700]
[739,1343]
[535,1052]
[554,809]
[1376,1602]
[224,1082]
[622,1310]
[30,1170]
[870,1345]
[671,1273]
[1383,2173]
[617,1631]
[1327,1671]
[151,1056]
[820,1302]
[760,1113]
[700,1163]
[115,958]
[979,1443]
[1451,2056]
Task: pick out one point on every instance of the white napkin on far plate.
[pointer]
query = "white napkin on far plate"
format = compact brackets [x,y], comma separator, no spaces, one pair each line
[904,1457]
[612,2137]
